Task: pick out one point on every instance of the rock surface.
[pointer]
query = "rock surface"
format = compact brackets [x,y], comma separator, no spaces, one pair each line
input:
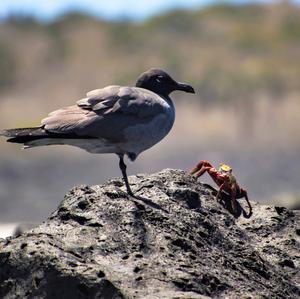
[174,241]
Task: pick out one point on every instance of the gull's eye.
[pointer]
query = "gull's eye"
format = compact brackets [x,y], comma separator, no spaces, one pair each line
[159,79]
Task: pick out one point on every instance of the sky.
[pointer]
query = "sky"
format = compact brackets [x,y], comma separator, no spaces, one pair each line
[47,10]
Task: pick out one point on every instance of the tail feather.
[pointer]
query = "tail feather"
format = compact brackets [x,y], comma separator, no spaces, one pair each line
[23,135]
[26,135]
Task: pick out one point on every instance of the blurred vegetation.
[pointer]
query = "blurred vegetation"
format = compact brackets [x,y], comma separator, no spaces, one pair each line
[243,61]
[7,67]
[227,52]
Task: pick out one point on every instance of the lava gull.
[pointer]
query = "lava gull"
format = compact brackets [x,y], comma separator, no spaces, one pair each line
[115,119]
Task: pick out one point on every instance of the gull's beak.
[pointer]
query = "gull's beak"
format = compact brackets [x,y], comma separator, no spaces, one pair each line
[185,87]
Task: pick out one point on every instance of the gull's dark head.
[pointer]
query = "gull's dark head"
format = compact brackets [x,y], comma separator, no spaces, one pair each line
[161,83]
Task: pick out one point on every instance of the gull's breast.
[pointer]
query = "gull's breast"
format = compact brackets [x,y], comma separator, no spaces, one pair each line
[143,136]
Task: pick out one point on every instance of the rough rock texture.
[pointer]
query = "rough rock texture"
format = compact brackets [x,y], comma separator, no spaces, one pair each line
[176,241]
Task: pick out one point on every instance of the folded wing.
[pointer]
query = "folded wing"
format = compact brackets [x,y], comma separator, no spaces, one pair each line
[106,113]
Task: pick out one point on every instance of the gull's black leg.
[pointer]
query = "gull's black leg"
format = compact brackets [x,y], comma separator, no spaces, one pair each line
[122,166]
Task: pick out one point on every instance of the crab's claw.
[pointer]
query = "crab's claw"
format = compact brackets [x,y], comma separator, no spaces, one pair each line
[194,170]
[197,170]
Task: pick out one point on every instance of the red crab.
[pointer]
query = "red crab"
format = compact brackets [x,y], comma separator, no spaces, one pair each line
[224,178]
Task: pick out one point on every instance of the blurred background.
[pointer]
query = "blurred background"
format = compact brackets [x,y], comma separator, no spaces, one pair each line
[242,58]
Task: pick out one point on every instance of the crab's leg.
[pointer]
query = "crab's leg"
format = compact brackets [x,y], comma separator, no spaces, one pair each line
[233,197]
[245,194]
[202,171]
[220,190]
[200,168]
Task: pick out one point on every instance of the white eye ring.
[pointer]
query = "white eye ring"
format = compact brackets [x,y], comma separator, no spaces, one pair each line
[159,79]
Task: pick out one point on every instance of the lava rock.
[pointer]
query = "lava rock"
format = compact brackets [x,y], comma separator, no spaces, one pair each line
[173,240]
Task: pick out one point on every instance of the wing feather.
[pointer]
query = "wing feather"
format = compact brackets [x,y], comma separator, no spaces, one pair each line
[106,113]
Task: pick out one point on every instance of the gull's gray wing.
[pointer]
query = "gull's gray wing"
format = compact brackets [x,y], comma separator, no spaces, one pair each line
[106,113]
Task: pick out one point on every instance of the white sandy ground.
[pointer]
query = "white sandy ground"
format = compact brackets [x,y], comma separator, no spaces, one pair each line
[7,229]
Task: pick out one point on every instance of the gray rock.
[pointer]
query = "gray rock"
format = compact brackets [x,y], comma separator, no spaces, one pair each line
[23,227]
[175,241]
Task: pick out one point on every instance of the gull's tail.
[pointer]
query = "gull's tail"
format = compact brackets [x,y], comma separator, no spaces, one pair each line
[24,135]
[38,136]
